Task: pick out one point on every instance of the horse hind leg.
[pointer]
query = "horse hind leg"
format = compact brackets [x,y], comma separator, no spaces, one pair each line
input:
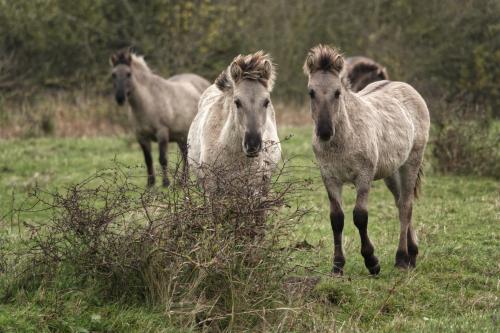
[412,246]
[406,254]
[393,183]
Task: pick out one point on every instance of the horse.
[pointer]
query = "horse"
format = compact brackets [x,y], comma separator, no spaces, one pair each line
[235,128]
[161,109]
[379,133]
[361,71]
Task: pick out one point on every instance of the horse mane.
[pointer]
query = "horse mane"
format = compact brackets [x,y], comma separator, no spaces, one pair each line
[366,65]
[223,82]
[323,58]
[129,58]
[257,66]
[139,63]
[326,58]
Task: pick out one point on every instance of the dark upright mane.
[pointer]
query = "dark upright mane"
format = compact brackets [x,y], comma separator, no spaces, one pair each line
[257,66]
[362,71]
[323,58]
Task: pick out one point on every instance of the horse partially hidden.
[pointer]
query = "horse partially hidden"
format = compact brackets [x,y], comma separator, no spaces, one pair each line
[378,133]
[361,71]
[235,127]
[162,110]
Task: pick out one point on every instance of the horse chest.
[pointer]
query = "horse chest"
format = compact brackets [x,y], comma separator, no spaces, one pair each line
[343,167]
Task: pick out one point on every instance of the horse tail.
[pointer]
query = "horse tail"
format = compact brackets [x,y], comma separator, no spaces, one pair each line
[418,184]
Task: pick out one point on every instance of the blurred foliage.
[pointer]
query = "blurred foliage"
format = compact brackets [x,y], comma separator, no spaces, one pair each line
[63,43]
[446,48]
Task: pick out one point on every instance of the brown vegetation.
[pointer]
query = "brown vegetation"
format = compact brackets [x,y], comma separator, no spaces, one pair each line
[212,263]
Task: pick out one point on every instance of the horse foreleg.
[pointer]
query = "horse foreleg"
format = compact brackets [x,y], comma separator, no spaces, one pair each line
[185,166]
[148,159]
[360,217]
[334,190]
[163,146]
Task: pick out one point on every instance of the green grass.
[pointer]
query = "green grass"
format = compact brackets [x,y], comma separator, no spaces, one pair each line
[454,288]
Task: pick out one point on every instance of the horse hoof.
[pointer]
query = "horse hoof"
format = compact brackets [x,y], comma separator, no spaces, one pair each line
[337,271]
[166,183]
[413,261]
[371,263]
[338,265]
[375,270]
[402,260]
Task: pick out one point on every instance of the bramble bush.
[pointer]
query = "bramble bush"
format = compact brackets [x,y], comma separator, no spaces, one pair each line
[211,261]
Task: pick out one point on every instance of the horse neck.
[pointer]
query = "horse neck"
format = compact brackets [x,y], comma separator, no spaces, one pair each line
[140,97]
[343,123]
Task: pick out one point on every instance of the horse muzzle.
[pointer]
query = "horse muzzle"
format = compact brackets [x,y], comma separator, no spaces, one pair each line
[120,98]
[252,144]
[324,133]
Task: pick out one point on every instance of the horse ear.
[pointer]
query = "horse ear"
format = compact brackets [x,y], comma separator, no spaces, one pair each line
[308,64]
[382,73]
[113,60]
[338,63]
[235,71]
[268,70]
[268,73]
[223,82]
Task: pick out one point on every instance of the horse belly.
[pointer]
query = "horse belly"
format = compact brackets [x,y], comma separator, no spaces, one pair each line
[391,159]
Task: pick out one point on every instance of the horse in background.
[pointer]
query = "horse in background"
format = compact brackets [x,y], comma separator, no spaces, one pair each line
[361,71]
[378,133]
[161,109]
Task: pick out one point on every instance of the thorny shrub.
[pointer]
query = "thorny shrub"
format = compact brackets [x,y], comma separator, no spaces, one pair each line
[212,261]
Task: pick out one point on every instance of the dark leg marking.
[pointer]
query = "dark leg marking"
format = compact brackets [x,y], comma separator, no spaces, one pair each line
[337,222]
[402,254]
[185,166]
[146,149]
[163,161]
[360,217]
[412,248]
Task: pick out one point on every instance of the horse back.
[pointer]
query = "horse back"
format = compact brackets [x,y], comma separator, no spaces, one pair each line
[401,117]
[199,83]
[397,97]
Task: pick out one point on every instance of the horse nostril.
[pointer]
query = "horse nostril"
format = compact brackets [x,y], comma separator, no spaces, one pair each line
[253,143]
[324,134]
[120,99]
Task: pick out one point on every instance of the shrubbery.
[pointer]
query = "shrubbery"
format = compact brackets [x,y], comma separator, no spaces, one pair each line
[446,47]
[466,141]
[211,262]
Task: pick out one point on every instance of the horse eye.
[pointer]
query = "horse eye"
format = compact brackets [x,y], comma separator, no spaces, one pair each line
[237,103]
[266,103]
[337,93]
[129,75]
[311,93]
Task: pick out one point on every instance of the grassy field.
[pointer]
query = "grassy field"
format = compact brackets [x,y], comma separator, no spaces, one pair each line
[455,287]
